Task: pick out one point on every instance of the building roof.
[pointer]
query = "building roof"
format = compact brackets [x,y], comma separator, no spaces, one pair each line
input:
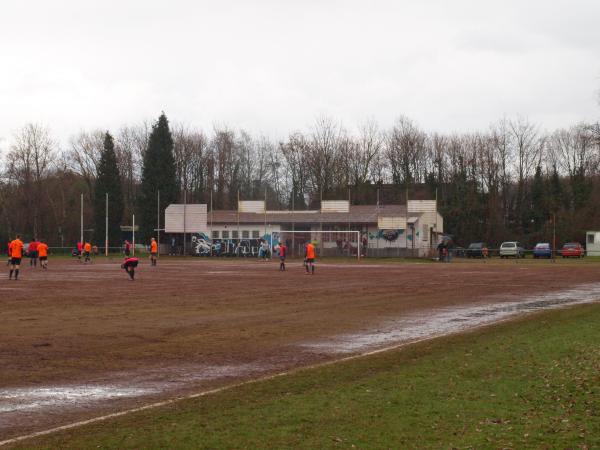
[357,214]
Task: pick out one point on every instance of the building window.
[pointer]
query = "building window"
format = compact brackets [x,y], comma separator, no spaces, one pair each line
[225,234]
[245,234]
[215,234]
[590,239]
[255,234]
[234,234]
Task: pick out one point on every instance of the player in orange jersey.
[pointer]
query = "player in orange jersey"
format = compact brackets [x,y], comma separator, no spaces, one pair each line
[42,249]
[309,258]
[153,251]
[16,253]
[87,250]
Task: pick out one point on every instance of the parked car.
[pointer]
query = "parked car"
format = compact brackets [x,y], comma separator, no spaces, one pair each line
[572,250]
[512,248]
[542,250]
[477,250]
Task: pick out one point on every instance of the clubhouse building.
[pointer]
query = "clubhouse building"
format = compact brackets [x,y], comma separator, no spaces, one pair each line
[412,229]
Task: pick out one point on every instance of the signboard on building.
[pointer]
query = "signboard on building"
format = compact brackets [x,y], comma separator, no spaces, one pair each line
[335,206]
[252,206]
[185,218]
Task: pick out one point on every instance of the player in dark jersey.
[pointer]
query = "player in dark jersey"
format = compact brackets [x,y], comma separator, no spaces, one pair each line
[129,265]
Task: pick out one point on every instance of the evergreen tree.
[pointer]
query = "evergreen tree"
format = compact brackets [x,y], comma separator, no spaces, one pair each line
[158,174]
[556,191]
[539,209]
[108,182]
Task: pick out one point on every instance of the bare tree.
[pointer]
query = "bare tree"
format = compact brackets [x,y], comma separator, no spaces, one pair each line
[28,163]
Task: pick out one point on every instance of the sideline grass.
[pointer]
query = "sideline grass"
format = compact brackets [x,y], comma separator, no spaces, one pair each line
[533,383]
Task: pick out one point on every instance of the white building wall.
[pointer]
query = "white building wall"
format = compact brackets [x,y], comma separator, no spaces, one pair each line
[592,248]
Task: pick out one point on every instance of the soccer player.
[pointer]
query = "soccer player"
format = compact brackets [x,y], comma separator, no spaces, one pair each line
[42,249]
[309,258]
[129,265]
[87,250]
[32,252]
[282,255]
[153,251]
[16,253]
[79,250]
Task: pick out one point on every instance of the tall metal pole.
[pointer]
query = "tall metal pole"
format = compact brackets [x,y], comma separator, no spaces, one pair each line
[238,213]
[81,235]
[293,221]
[106,228]
[133,235]
[265,211]
[158,223]
[211,222]
[184,219]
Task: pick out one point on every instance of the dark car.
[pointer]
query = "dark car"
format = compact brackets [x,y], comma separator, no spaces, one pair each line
[477,250]
[572,250]
[542,250]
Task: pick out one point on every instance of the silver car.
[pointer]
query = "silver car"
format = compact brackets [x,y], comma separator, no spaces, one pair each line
[512,249]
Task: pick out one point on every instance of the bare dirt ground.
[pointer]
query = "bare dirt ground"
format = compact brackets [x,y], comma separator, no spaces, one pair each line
[77,341]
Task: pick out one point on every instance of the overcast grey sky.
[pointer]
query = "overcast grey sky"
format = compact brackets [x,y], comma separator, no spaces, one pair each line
[271,67]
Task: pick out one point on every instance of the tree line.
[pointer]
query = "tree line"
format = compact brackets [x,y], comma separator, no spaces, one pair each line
[509,181]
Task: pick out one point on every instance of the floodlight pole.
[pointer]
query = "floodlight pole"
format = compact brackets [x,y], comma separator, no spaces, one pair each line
[106,228]
[81,217]
[184,220]
[211,221]
[133,235]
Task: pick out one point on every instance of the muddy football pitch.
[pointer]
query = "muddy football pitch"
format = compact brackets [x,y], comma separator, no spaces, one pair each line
[81,341]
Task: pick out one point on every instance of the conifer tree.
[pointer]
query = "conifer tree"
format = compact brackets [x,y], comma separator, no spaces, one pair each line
[108,182]
[158,173]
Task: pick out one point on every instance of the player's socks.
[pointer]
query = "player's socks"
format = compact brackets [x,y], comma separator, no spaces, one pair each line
[10,274]
[16,274]
[313,269]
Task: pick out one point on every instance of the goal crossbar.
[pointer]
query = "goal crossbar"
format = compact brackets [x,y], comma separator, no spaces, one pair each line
[321,232]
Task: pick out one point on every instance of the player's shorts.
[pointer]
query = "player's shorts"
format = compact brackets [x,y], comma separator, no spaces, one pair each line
[310,260]
[153,254]
[43,258]
[130,264]
[86,254]
[33,254]
[15,261]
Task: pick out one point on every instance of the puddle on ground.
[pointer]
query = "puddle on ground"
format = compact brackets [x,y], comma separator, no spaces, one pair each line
[16,403]
[451,320]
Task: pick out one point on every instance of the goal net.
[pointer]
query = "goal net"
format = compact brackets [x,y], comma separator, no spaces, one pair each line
[328,243]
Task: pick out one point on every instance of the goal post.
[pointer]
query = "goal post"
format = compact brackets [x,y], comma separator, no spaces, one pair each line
[327,242]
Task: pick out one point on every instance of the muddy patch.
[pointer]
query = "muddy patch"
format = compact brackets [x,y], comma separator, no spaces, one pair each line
[21,402]
[445,321]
